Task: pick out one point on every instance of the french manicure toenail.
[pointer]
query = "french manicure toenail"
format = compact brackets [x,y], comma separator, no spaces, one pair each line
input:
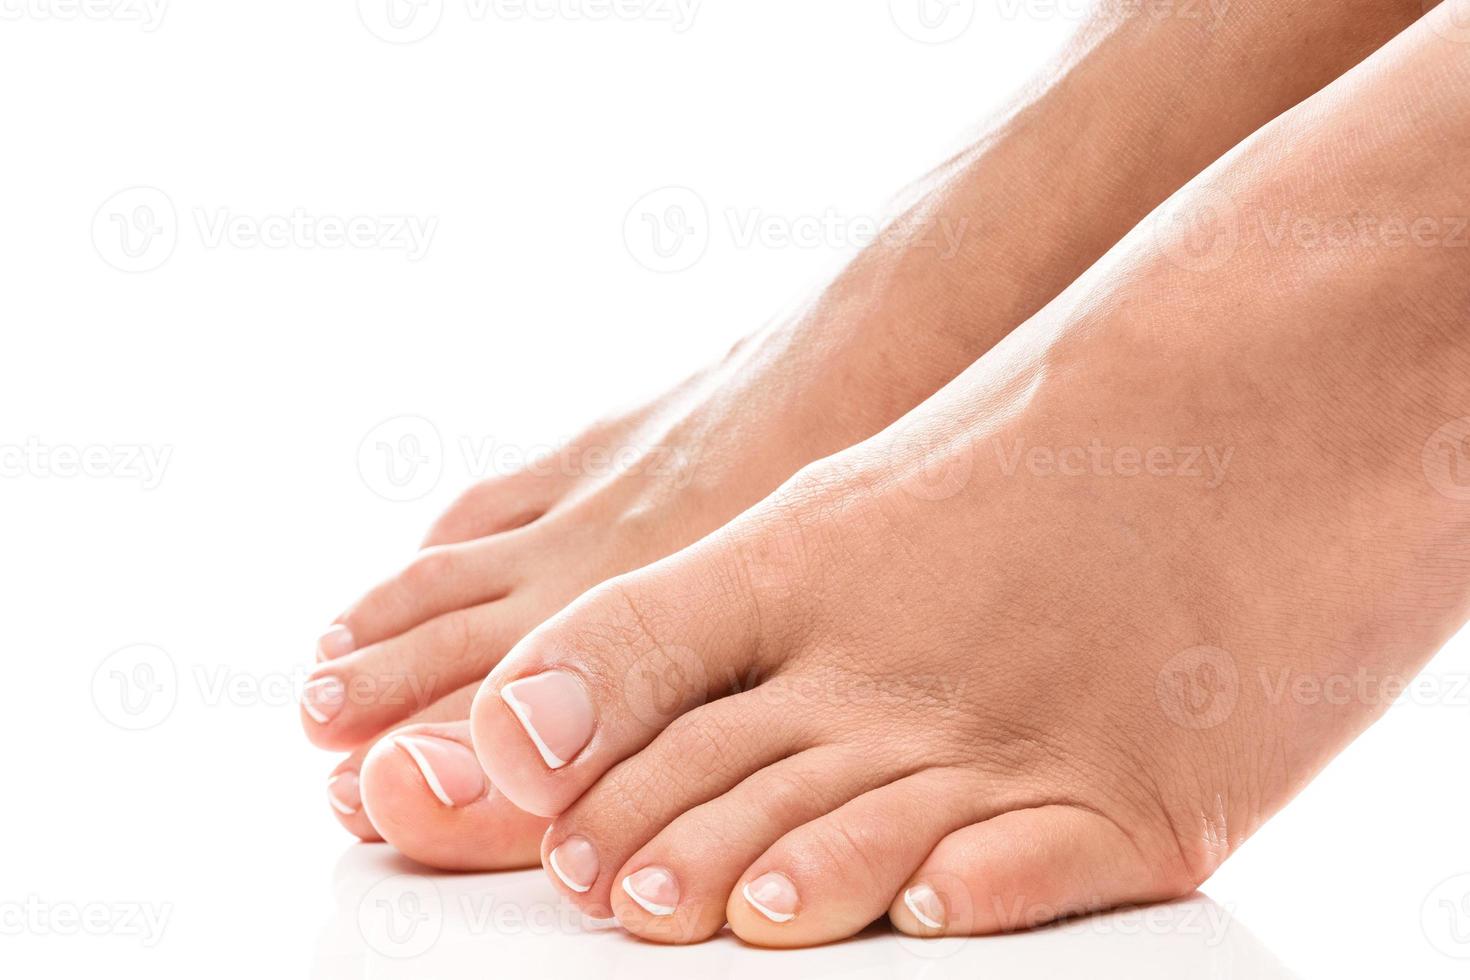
[451,770]
[655,889]
[773,896]
[323,698]
[343,793]
[926,906]
[554,709]
[574,861]
[335,642]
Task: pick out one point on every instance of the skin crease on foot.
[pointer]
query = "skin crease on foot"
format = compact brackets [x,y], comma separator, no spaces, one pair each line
[512,551]
[1029,652]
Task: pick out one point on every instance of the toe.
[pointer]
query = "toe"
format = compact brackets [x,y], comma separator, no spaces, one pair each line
[700,756]
[705,850]
[426,794]
[830,878]
[439,580]
[599,681]
[354,698]
[344,796]
[497,505]
[344,785]
[1025,868]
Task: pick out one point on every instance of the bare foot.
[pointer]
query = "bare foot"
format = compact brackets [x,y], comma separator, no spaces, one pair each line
[1033,651]
[901,321]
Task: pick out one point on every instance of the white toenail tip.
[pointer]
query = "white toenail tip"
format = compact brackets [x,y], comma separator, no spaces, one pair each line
[337,804]
[556,868]
[317,715]
[771,914]
[549,757]
[599,925]
[913,906]
[430,777]
[652,908]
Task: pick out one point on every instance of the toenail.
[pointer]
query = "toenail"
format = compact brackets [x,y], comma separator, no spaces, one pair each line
[655,889]
[926,906]
[451,770]
[574,861]
[323,698]
[343,793]
[335,642]
[773,896]
[554,709]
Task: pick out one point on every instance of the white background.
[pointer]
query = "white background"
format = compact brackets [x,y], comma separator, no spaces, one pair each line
[256,371]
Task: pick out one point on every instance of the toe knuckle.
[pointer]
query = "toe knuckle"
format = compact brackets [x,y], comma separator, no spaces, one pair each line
[787,795]
[629,794]
[622,616]
[620,623]
[429,570]
[453,637]
[702,750]
[840,847]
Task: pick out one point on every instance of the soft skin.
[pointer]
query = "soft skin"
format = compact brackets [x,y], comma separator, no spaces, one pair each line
[976,691]
[1125,114]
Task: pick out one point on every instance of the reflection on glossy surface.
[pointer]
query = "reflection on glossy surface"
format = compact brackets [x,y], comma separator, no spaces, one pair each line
[395,919]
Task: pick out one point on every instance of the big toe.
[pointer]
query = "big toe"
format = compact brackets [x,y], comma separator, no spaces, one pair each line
[599,681]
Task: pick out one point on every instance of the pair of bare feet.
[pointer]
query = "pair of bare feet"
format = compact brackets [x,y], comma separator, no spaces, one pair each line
[1026,646]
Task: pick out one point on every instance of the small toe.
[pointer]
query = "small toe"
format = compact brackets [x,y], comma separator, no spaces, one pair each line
[708,848]
[344,785]
[496,506]
[426,794]
[1025,868]
[699,757]
[831,877]
[439,580]
[352,699]
[344,796]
